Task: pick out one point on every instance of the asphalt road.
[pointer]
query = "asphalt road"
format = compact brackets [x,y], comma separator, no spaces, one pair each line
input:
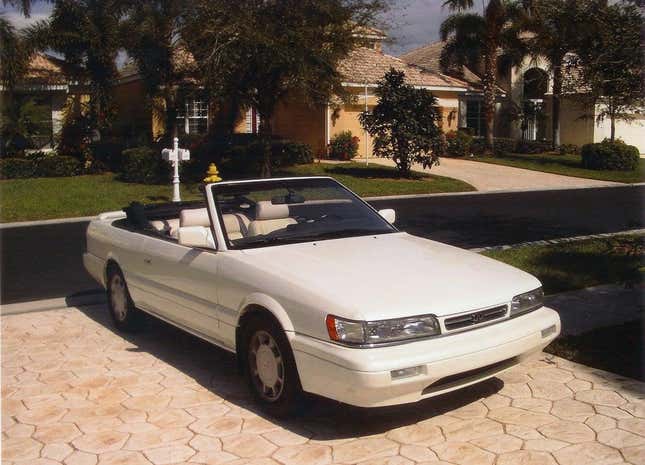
[41,262]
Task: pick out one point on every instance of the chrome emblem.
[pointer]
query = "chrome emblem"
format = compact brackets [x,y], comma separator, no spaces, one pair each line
[476,318]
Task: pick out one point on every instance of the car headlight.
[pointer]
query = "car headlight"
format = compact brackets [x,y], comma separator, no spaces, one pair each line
[381,331]
[527,302]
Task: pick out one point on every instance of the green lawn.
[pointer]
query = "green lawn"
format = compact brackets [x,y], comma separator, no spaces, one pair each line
[576,265]
[568,165]
[46,198]
[377,180]
[563,267]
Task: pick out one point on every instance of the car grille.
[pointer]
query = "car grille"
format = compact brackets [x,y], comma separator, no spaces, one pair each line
[475,318]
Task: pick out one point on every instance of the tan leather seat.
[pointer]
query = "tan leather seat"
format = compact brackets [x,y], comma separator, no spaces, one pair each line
[270,217]
[194,217]
[236,225]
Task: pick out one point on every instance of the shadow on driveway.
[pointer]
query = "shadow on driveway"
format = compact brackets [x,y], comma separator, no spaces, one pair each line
[216,370]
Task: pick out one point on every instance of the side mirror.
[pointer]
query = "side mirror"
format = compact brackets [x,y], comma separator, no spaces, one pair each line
[196,236]
[388,214]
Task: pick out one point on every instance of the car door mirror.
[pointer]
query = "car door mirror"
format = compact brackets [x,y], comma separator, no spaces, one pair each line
[389,214]
[195,236]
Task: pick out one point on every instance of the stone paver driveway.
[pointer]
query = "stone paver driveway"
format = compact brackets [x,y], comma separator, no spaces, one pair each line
[490,177]
[75,392]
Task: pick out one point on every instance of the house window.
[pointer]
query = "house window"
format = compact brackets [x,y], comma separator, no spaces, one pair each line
[193,116]
[252,120]
[475,117]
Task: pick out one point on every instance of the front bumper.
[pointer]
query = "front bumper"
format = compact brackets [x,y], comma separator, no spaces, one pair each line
[363,377]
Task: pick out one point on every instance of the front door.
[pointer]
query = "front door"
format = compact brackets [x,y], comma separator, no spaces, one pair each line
[182,285]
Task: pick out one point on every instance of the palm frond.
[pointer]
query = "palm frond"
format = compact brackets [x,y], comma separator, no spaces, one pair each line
[13,54]
[458,5]
[462,24]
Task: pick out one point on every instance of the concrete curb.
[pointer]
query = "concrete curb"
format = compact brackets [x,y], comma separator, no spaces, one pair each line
[561,240]
[79,300]
[24,224]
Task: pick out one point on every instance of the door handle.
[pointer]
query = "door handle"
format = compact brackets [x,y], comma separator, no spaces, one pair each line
[147,261]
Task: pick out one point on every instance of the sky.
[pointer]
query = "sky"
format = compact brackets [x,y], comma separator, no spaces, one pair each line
[410,23]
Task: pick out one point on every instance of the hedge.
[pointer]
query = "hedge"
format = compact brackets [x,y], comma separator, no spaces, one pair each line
[502,145]
[610,156]
[39,167]
[144,165]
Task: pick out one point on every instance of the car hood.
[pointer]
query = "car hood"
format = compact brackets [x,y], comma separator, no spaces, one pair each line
[392,275]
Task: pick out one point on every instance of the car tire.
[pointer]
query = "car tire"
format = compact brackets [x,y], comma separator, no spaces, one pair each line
[125,315]
[270,368]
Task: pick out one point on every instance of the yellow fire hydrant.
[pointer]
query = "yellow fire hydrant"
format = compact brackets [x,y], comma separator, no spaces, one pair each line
[212,175]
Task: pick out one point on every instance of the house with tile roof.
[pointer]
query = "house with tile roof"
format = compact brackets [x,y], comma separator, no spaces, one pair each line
[528,87]
[48,94]
[294,118]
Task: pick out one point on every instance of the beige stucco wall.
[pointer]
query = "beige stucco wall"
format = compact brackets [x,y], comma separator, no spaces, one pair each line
[345,117]
[631,132]
[296,120]
[575,125]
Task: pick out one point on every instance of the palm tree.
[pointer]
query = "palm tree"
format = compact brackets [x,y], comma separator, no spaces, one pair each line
[24,6]
[555,31]
[154,42]
[86,32]
[476,40]
[13,54]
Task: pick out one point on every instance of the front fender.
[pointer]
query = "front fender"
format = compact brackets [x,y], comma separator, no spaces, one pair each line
[269,303]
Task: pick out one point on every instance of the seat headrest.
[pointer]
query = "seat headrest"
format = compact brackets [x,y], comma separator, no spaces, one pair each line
[232,223]
[265,210]
[194,217]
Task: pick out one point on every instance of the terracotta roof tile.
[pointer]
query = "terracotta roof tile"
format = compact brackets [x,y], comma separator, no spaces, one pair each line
[45,69]
[428,57]
[368,66]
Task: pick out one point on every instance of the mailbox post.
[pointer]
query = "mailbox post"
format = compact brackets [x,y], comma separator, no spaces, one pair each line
[175,156]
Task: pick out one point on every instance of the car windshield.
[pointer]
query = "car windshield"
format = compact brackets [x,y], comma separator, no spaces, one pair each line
[285,211]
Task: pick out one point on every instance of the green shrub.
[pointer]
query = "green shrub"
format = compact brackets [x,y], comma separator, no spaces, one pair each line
[611,156]
[247,160]
[289,153]
[107,154]
[39,165]
[343,146]
[144,165]
[502,145]
[15,168]
[58,166]
[569,149]
[533,146]
[458,144]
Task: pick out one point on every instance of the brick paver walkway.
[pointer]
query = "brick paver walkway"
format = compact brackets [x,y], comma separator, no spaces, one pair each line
[76,392]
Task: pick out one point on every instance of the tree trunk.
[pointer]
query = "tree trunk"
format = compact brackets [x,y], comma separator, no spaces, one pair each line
[489,84]
[170,101]
[555,111]
[265,131]
[613,128]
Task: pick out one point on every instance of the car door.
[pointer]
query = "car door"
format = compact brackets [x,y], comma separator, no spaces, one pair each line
[182,285]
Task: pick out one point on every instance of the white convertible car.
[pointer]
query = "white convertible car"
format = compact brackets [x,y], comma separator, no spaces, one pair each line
[315,291]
